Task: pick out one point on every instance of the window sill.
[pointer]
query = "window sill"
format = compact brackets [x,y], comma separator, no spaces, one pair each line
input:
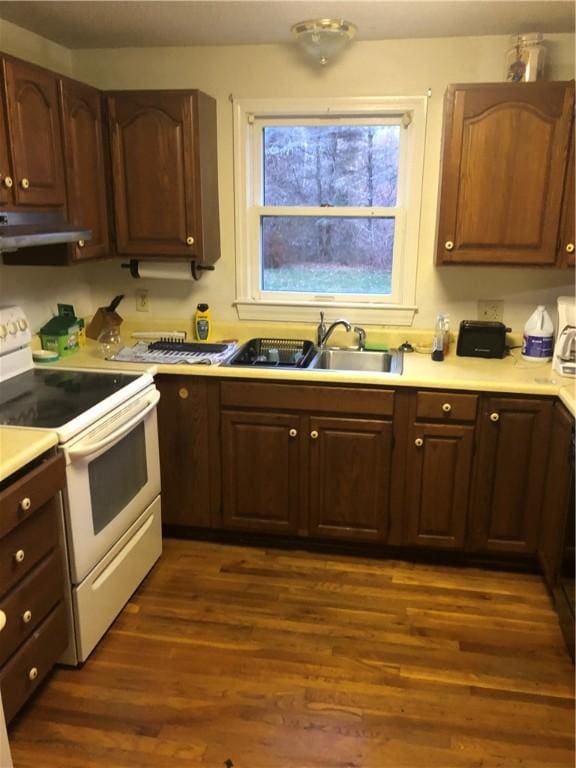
[277,311]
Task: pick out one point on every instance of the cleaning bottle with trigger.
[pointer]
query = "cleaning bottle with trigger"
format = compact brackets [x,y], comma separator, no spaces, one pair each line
[202,322]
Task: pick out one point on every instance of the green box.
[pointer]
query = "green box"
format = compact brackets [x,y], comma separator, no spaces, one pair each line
[60,334]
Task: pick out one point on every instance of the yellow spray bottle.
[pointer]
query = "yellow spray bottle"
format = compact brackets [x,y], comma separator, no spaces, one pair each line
[202,321]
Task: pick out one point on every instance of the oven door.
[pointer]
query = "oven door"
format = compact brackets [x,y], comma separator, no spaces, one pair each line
[112,474]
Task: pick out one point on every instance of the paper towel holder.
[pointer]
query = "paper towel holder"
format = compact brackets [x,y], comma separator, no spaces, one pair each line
[195,269]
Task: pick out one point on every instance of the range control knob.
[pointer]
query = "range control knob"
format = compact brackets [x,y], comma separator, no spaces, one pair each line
[22,323]
[12,328]
[3,331]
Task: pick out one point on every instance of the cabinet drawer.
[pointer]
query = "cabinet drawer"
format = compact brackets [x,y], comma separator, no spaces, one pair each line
[23,497]
[26,545]
[449,406]
[29,603]
[304,397]
[20,677]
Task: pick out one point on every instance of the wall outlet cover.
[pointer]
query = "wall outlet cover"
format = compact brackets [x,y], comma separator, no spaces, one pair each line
[142,300]
[491,310]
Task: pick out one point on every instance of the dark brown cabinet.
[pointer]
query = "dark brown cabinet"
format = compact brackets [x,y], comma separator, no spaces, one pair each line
[307,460]
[188,465]
[164,168]
[85,166]
[33,611]
[34,132]
[6,177]
[504,165]
[567,240]
[510,467]
[439,469]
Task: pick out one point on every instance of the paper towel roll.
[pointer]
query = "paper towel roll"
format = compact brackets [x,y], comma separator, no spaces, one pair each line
[161,270]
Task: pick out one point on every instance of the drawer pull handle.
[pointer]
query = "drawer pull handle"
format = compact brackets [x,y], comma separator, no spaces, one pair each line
[314,434]
[25,504]
[2,620]
[446,407]
[293,432]
[33,673]
[418,442]
[494,417]
[27,617]
[448,245]
[81,243]
[183,393]
[19,556]
[570,248]
[8,183]
[189,240]
[25,183]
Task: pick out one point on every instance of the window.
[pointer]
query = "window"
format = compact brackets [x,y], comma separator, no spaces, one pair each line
[328,206]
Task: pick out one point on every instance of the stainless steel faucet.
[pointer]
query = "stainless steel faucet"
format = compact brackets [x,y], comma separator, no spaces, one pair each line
[320,330]
[324,335]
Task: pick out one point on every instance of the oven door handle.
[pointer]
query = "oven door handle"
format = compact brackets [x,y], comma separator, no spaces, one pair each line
[87,449]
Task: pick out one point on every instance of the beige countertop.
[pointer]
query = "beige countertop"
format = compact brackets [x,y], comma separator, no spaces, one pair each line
[511,375]
[21,445]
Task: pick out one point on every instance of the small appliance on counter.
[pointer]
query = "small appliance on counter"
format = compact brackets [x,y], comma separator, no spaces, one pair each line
[565,348]
[481,338]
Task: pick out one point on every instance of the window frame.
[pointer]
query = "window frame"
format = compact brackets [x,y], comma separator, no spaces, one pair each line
[250,117]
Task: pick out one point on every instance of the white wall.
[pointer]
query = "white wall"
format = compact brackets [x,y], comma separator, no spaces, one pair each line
[403,67]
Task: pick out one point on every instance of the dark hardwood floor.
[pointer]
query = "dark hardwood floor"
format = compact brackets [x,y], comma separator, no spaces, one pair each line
[259,658]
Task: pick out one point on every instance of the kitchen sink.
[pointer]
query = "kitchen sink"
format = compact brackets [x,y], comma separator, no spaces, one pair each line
[358,360]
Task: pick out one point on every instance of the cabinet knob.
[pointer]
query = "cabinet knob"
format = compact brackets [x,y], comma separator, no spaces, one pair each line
[27,617]
[293,432]
[2,620]
[446,407]
[314,434]
[494,417]
[33,673]
[19,556]
[25,504]
[189,240]
[183,393]
[8,182]
[449,245]
[25,183]
[570,248]
[80,243]
[418,442]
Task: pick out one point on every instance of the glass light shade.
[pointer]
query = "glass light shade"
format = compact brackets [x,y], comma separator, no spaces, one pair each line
[323,39]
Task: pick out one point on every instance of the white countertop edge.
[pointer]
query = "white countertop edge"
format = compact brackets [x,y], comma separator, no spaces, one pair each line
[21,445]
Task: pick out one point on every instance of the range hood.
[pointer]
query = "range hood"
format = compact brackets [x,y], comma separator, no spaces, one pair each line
[32,229]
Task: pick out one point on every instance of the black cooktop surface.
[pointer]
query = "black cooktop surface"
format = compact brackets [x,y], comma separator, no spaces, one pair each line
[52,398]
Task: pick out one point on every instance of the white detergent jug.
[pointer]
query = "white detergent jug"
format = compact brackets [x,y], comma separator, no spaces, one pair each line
[538,341]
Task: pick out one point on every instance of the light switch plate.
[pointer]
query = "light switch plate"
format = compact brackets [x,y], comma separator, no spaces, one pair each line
[491,309]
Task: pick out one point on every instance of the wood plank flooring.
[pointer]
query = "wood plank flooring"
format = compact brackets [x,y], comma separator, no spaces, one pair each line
[234,657]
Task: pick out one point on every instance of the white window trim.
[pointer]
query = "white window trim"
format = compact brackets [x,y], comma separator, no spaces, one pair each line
[251,307]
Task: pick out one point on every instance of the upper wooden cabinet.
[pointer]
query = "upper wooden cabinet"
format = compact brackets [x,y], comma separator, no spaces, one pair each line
[34,132]
[567,240]
[85,166]
[6,178]
[165,174]
[503,172]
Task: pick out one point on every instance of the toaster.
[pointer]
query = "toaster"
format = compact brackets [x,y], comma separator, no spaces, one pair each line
[481,338]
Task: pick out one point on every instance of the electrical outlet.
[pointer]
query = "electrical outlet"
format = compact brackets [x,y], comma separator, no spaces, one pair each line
[491,309]
[142,300]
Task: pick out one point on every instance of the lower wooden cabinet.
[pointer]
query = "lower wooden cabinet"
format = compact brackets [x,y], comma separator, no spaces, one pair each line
[439,470]
[292,465]
[189,465]
[509,473]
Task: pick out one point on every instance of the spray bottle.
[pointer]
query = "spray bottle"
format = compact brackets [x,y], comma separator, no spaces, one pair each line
[202,321]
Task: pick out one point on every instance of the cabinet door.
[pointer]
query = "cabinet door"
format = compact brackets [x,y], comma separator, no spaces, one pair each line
[6,180]
[261,471]
[186,462]
[35,135]
[439,468]
[509,474]
[567,240]
[85,174]
[152,145]
[557,500]
[504,157]
[349,477]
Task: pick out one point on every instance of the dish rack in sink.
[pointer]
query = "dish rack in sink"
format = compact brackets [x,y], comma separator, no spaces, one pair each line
[271,353]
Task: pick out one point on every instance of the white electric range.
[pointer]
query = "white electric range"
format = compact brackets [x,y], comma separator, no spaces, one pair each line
[107,429]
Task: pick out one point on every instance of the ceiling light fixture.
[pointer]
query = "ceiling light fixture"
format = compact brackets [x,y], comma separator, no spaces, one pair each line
[323,39]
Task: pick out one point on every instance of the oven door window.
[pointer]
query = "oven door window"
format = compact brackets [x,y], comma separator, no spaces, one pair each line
[117,476]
